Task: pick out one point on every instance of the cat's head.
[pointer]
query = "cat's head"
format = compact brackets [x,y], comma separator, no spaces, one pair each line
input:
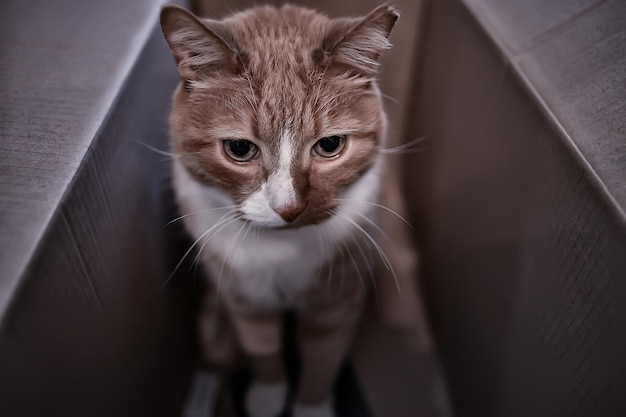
[278,107]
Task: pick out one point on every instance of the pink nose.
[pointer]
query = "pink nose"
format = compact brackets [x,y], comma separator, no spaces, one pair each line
[289,214]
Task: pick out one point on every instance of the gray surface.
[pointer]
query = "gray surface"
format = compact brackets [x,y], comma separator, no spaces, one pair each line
[572,55]
[520,200]
[90,329]
[524,241]
[62,64]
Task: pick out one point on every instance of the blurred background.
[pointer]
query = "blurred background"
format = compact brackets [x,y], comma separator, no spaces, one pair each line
[517,194]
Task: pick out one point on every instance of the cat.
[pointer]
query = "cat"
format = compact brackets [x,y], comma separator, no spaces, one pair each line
[277,127]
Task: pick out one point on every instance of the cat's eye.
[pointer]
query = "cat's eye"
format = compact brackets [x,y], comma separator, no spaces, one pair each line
[240,150]
[329,146]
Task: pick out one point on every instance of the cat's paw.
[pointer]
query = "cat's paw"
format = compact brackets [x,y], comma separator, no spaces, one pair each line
[266,400]
[322,410]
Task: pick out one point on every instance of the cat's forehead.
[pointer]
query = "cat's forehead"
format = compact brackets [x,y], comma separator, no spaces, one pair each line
[282,30]
[278,44]
[283,88]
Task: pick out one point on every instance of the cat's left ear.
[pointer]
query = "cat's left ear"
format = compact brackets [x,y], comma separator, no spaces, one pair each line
[358,43]
[199,46]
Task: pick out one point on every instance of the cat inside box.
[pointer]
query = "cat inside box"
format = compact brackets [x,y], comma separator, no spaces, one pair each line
[278,129]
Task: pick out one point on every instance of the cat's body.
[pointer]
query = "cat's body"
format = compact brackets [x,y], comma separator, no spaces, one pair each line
[277,126]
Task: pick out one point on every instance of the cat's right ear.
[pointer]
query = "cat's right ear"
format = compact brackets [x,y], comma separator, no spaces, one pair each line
[357,43]
[198,46]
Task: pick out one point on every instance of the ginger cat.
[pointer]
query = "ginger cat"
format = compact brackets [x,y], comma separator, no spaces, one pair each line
[277,126]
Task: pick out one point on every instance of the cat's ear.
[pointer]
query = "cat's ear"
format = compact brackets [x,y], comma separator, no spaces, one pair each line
[198,46]
[358,43]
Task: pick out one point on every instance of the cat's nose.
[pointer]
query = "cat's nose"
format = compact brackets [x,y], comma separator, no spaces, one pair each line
[289,214]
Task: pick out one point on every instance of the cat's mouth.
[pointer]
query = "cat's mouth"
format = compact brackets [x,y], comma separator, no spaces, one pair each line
[274,225]
[288,221]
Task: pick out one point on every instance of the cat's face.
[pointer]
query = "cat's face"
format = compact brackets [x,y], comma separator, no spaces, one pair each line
[278,107]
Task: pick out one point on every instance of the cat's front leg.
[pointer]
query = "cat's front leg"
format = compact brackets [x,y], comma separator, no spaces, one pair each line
[259,334]
[325,336]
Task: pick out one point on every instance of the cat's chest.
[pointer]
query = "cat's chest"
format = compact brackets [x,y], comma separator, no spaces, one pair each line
[269,270]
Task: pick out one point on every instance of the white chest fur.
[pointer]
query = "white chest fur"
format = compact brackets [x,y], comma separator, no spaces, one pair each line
[269,267]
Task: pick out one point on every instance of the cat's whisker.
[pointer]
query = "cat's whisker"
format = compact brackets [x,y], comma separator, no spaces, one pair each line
[405,148]
[170,155]
[332,260]
[377,227]
[380,251]
[358,270]
[247,226]
[342,256]
[407,152]
[355,238]
[382,232]
[224,225]
[390,98]
[330,272]
[193,245]
[321,243]
[198,212]
[372,203]
[333,212]
[235,241]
